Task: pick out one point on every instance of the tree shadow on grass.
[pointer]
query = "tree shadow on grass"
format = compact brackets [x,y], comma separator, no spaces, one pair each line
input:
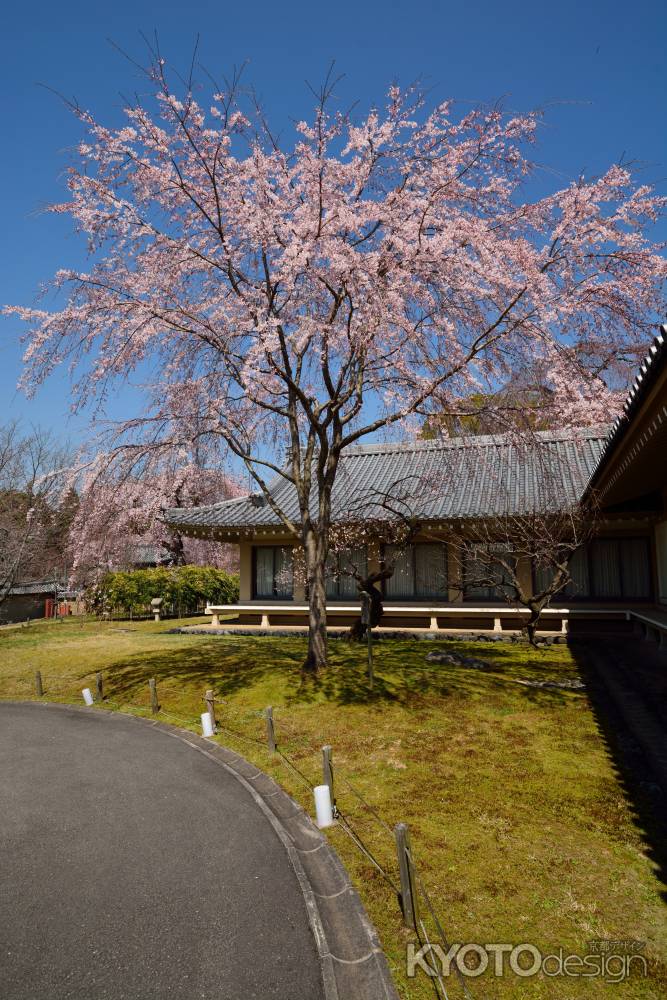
[642,789]
[403,675]
[228,669]
[232,666]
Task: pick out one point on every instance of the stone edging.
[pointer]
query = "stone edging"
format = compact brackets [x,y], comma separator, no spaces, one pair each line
[351,958]
[379,635]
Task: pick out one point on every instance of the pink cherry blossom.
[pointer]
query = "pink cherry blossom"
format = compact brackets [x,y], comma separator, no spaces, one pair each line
[119,518]
[295,299]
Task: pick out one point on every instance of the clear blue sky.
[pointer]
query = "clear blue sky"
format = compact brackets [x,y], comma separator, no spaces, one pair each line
[601,65]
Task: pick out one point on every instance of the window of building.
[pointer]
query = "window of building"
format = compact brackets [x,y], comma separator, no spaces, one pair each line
[483,578]
[274,575]
[420,571]
[635,561]
[579,585]
[608,569]
[340,582]
[605,568]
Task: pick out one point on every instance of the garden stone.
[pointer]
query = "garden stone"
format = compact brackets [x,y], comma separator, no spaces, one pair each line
[574,685]
[435,657]
[471,662]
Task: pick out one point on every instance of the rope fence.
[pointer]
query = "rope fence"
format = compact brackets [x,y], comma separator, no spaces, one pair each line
[405,881]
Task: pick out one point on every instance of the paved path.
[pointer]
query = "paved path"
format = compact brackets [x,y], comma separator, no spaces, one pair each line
[132,867]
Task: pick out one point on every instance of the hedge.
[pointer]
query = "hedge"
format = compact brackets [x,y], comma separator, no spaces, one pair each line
[183,589]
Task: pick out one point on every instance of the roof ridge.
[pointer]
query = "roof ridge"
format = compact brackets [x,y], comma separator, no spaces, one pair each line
[655,355]
[594,431]
[212,506]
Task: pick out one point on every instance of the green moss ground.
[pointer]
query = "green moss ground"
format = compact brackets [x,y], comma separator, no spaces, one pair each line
[520,824]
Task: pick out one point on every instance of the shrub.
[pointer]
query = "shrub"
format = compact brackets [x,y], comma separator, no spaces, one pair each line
[183,589]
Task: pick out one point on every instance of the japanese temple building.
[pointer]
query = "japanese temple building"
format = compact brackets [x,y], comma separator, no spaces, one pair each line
[620,573]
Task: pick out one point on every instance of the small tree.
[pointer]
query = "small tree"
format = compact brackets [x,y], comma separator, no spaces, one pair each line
[521,550]
[34,515]
[398,531]
[523,558]
[380,516]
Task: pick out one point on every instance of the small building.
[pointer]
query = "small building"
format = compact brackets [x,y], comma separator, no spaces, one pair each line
[39,599]
[446,484]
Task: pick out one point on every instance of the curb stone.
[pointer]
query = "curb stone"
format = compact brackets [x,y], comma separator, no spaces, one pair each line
[352,962]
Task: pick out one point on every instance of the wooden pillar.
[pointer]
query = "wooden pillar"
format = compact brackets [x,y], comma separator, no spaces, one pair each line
[245,572]
[524,572]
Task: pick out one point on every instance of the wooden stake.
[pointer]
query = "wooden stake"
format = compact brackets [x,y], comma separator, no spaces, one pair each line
[99,685]
[370,657]
[327,772]
[366,620]
[155,708]
[270,729]
[38,683]
[407,873]
[209,698]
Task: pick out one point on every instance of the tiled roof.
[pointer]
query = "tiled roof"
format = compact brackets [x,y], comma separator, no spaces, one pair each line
[649,370]
[147,554]
[37,587]
[438,480]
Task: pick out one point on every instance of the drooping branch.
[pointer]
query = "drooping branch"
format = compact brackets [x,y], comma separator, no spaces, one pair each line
[299,300]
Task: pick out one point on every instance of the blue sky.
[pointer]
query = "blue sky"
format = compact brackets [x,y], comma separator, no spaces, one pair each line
[597,66]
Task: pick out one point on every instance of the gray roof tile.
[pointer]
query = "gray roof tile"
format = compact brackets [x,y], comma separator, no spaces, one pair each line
[439,480]
[649,371]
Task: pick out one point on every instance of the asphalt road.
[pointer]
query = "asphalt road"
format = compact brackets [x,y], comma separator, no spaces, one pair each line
[133,867]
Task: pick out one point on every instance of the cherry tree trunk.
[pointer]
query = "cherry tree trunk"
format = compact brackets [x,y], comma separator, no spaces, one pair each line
[315,553]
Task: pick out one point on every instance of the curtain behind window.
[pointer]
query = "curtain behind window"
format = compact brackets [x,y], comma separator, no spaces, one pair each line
[579,585]
[605,568]
[619,567]
[331,576]
[341,584]
[283,570]
[635,567]
[263,571]
[478,574]
[475,577]
[543,578]
[431,571]
[401,583]
[347,585]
